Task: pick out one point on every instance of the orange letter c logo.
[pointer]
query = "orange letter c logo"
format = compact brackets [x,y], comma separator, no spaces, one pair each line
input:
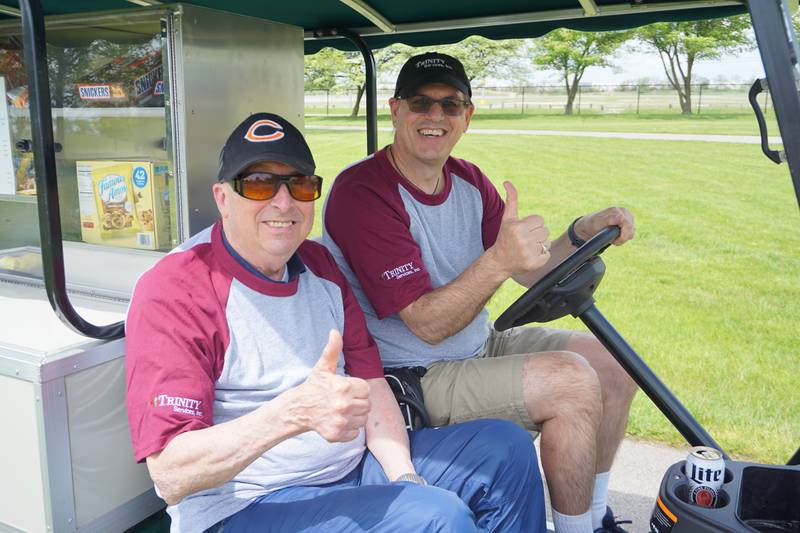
[275,135]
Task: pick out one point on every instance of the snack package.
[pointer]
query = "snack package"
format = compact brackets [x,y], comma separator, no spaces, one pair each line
[24,174]
[124,203]
[18,97]
[124,81]
[21,261]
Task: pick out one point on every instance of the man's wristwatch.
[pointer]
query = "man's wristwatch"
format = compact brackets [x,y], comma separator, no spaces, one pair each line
[576,241]
[412,478]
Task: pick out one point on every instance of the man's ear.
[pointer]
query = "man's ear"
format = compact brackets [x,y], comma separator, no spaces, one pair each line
[222,192]
[394,105]
[468,115]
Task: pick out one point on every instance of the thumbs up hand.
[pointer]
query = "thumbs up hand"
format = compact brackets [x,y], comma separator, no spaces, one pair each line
[522,244]
[329,359]
[511,212]
[332,405]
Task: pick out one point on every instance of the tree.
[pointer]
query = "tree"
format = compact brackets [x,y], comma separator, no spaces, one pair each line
[681,44]
[321,69]
[330,68]
[484,58]
[570,52]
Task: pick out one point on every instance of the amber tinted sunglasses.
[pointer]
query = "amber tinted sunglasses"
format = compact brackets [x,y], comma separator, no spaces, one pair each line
[264,185]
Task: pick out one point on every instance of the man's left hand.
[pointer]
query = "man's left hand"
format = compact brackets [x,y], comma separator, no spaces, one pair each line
[589,225]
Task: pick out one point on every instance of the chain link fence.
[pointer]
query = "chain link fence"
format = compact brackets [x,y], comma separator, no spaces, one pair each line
[628,98]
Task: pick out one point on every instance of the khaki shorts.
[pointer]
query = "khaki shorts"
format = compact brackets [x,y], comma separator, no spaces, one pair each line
[488,385]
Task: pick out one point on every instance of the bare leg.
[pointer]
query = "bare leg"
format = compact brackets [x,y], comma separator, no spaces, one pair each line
[562,395]
[618,390]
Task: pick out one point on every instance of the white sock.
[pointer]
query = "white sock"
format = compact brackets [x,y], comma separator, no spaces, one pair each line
[599,499]
[581,523]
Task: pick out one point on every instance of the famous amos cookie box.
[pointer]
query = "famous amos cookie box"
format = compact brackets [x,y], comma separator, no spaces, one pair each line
[124,203]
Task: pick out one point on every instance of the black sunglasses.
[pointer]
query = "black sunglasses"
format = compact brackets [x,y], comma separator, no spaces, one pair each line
[451,106]
[265,185]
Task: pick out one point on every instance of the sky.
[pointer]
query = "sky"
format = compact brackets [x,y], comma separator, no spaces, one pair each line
[745,67]
[635,66]
[632,66]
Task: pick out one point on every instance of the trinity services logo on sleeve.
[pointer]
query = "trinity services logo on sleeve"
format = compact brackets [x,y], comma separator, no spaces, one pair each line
[400,271]
[187,406]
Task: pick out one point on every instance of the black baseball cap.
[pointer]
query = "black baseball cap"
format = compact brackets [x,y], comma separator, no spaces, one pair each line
[431,67]
[264,137]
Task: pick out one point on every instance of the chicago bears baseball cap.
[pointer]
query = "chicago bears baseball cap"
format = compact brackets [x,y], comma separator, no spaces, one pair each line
[264,137]
[431,67]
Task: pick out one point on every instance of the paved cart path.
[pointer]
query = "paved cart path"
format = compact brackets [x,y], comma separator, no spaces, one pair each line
[741,139]
[635,479]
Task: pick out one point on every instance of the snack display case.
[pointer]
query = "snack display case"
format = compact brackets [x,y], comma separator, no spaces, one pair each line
[142,101]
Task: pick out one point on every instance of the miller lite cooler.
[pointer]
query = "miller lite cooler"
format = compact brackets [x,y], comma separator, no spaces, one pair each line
[705,469]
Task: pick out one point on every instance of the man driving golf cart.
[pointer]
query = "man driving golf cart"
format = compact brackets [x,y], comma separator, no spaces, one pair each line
[425,240]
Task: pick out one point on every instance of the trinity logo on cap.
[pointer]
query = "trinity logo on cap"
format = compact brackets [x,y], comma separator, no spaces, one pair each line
[275,131]
[433,63]
[431,67]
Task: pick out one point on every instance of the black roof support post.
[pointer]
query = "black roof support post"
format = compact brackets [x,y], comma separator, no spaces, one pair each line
[779,54]
[371,89]
[661,396]
[34,45]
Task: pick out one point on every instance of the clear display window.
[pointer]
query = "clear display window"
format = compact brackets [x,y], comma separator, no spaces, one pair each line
[110,125]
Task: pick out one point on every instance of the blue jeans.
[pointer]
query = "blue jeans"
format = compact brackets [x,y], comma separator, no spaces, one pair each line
[483,476]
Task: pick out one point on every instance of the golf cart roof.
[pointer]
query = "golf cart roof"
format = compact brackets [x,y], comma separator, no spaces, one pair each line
[420,22]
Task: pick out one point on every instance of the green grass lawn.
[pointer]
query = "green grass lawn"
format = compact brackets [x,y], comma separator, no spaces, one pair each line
[709,291]
[708,122]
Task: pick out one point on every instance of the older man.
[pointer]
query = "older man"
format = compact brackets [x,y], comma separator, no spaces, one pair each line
[425,240]
[253,412]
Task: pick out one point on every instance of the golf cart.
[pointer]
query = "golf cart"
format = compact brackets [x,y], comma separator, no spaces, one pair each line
[151,96]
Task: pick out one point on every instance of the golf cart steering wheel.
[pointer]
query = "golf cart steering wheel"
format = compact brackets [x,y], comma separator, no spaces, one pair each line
[567,289]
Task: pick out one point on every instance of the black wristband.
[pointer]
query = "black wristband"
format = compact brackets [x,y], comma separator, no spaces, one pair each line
[576,241]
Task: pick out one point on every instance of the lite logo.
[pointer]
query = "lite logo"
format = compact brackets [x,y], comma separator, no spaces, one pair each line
[701,474]
[401,271]
[273,132]
[186,406]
